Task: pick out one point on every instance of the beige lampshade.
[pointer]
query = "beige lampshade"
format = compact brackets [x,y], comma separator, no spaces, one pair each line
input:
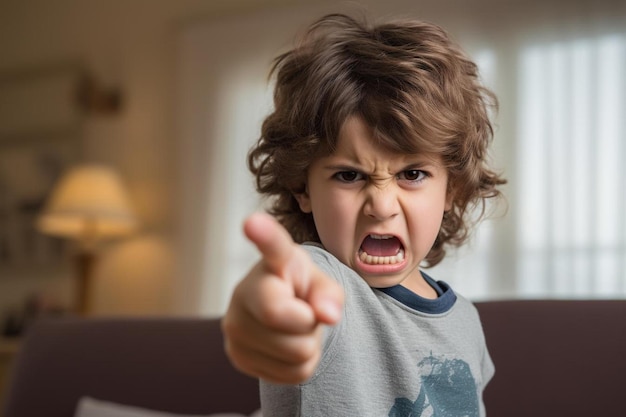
[88,203]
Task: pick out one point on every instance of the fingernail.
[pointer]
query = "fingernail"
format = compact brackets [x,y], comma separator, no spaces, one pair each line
[330,309]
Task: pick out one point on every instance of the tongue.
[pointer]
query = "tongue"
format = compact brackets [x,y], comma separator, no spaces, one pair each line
[381,247]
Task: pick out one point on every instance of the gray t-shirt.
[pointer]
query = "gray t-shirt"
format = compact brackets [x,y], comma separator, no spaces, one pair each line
[392,354]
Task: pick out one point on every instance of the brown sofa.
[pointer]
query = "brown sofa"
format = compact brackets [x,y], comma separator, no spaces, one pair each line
[556,358]
[553,358]
[174,365]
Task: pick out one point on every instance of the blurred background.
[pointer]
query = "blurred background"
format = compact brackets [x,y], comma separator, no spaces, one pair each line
[169,95]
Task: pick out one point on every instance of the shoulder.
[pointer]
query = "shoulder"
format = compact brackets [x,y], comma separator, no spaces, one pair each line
[465,308]
[466,304]
[319,254]
[327,262]
[334,268]
[464,318]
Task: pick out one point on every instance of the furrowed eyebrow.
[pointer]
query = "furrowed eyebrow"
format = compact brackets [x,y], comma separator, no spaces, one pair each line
[420,167]
[417,163]
[413,166]
[423,163]
[342,168]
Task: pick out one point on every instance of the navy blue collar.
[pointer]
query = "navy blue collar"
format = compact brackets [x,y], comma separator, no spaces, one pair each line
[444,301]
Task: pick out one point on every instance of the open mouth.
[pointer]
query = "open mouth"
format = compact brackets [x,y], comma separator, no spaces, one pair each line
[381,250]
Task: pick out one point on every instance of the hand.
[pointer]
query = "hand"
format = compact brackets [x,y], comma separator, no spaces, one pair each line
[273,325]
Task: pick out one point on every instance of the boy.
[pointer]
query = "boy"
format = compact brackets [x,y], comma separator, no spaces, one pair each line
[374,154]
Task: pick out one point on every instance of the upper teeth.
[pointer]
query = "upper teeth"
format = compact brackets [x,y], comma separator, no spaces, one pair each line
[381,237]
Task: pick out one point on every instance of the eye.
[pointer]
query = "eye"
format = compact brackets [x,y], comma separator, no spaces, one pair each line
[348,176]
[414,175]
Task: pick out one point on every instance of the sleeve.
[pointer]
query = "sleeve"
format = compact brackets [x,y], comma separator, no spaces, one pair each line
[332,267]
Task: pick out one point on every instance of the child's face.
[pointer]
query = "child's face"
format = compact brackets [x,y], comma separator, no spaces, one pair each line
[377,211]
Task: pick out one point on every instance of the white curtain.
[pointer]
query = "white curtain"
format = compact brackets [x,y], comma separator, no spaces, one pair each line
[571,172]
[560,140]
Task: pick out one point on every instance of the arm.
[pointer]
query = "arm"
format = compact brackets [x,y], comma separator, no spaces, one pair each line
[273,325]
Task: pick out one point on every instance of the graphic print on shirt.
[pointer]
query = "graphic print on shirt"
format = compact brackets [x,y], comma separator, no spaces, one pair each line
[448,390]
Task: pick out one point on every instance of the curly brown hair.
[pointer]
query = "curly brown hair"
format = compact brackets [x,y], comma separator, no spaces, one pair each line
[409,82]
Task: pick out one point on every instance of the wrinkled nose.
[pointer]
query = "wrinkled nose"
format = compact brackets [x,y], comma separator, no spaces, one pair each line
[381,203]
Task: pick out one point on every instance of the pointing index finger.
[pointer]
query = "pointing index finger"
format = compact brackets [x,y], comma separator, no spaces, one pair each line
[285,259]
[272,240]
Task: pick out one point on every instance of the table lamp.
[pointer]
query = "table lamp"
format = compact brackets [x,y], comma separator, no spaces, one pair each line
[88,204]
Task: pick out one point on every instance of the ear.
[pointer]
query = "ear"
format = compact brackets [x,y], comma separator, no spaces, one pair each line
[304,202]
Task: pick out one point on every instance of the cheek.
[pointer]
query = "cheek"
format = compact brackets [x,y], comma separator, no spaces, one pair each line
[333,213]
[426,219]
[335,220]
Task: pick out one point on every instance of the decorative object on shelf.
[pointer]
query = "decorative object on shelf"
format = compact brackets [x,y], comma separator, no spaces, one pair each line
[89,204]
[41,130]
[42,114]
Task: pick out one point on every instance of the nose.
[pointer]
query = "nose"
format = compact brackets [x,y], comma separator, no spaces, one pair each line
[381,203]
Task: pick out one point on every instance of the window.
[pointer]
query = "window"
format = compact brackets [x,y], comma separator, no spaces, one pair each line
[571,173]
[560,140]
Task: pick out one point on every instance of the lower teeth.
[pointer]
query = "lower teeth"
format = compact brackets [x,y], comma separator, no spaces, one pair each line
[381,260]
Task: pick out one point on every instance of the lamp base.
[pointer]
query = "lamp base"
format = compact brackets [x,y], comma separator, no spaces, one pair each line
[85,261]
